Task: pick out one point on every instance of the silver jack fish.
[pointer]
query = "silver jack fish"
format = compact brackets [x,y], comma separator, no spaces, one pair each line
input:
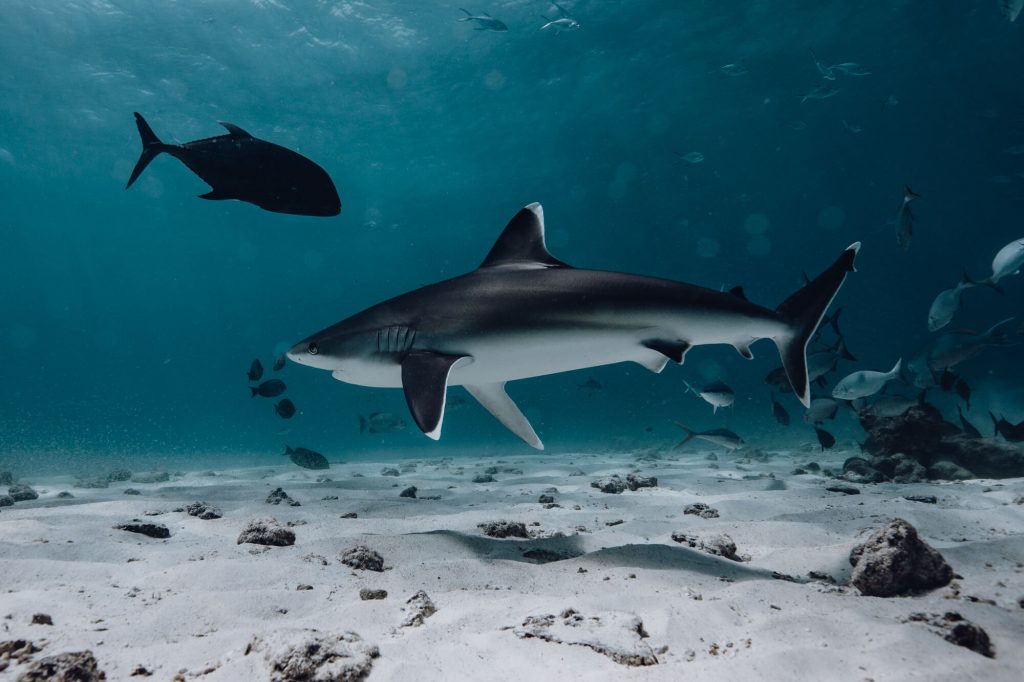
[523,314]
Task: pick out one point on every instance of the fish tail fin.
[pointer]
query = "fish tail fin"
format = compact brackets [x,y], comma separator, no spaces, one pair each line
[897,370]
[690,433]
[909,194]
[990,283]
[844,352]
[255,391]
[362,425]
[288,450]
[802,312]
[151,146]
[469,15]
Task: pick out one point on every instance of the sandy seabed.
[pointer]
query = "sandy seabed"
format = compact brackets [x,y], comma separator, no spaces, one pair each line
[200,605]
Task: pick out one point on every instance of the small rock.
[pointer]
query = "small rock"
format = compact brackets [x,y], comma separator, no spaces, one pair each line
[6,501]
[926,499]
[328,498]
[615,522]
[619,636]
[417,609]
[702,510]
[408,492]
[303,587]
[151,477]
[366,594]
[813,466]
[141,671]
[798,472]
[634,482]
[278,495]
[131,491]
[63,495]
[363,558]
[204,511]
[956,629]
[720,545]
[612,485]
[894,561]
[266,531]
[22,493]
[153,530]
[75,666]
[313,656]
[483,478]
[350,515]
[546,499]
[119,476]
[577,472]
[949,471]
[844,489]
[390,471]
[42,619]
[859,470]
[504,529]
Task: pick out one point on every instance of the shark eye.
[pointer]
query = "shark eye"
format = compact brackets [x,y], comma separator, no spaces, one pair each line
[312,348]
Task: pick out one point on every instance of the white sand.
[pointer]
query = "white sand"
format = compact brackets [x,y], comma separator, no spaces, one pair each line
[195,601]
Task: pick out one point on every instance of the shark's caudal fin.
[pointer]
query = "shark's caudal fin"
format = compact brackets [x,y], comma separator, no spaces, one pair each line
[151,146]
[803,312]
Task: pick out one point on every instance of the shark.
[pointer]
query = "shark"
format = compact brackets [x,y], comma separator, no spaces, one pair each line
[523,313]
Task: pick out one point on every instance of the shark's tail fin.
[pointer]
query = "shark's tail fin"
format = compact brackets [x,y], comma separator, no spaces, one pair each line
[151,146]
[803,312]
[690,433]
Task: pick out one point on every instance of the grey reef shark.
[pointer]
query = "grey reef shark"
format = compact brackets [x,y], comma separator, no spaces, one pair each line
[523,313]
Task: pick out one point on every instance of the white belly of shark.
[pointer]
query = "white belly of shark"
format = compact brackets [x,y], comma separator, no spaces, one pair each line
[515,318]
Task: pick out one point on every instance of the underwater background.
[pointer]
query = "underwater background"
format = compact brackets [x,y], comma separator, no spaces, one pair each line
[128,319]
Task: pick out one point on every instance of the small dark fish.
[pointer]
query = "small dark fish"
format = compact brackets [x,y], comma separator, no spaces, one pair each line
[777,378]
[779,411]
[967,426]
[591,385]
[1011,432]
[825,439]
[240,166]
[279,362]
[307,459]
[255,372]
[905,219]
[381,422]
[947,380]
[268,389]
[962,389]
[285,409]
[649,429]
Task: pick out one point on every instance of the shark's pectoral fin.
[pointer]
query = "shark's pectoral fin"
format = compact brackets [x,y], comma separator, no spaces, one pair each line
[673,350]
[496,401]
[425,381]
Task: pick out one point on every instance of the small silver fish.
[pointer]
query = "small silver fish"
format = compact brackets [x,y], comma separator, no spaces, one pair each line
[850,69]
[692,157]
[485,22]
[717,394]
[865,383]
[826,71]
[1008,261]
[736,69]
[821,92]
[721,437]
[947,303]
[821,409]
[560,24]
[905,219]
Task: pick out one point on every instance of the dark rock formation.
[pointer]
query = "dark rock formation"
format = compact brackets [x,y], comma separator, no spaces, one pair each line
[925,499]
[504,529]
[203,510]
[408,492]
[634,482]
[313,656]
[609,484]
[119,476]
[956,629]
[844,489]
[702,510]
[483,478]
[363,558]
[417,609]
[64,495]
[350,515]
[6,501]
[367,594]
[266,532]
[922,435]
[278,495]
[42,619]
[75,666]
[22,493]
[894,561]
[153,530]
[390,471]
[131,491]
[720,545]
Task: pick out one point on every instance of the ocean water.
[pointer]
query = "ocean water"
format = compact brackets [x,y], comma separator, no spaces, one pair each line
[129,318]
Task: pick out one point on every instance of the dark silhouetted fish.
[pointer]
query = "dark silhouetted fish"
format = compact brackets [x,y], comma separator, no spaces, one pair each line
[963,389]
[947,380]
[825,439]
[967,426]
[779,411]
[268,389]
[240,166]
[255,372]
[285,409]
[1011,432]
[381,422]
[307,459]
[279,362]
[485,22]
[723,437]
[905,219]
[777,378]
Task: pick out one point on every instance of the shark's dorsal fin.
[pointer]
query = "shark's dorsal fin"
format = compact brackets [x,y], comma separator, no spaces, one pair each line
[234,130]
[494,398]
[425,381]
[521,244]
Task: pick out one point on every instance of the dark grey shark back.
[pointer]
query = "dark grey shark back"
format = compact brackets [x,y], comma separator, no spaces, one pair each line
[240,166]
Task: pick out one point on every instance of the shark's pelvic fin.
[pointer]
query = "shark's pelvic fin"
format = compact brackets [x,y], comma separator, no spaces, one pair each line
[425,381]
[673,350]
[803,312]
[234,130]
[521,244]
[496,401]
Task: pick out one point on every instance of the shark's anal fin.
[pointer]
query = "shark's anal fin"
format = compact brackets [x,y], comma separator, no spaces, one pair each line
[673,350]
[425,381]
[496,401]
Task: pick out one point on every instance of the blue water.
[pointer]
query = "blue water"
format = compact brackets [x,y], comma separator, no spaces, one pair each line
[128,318]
